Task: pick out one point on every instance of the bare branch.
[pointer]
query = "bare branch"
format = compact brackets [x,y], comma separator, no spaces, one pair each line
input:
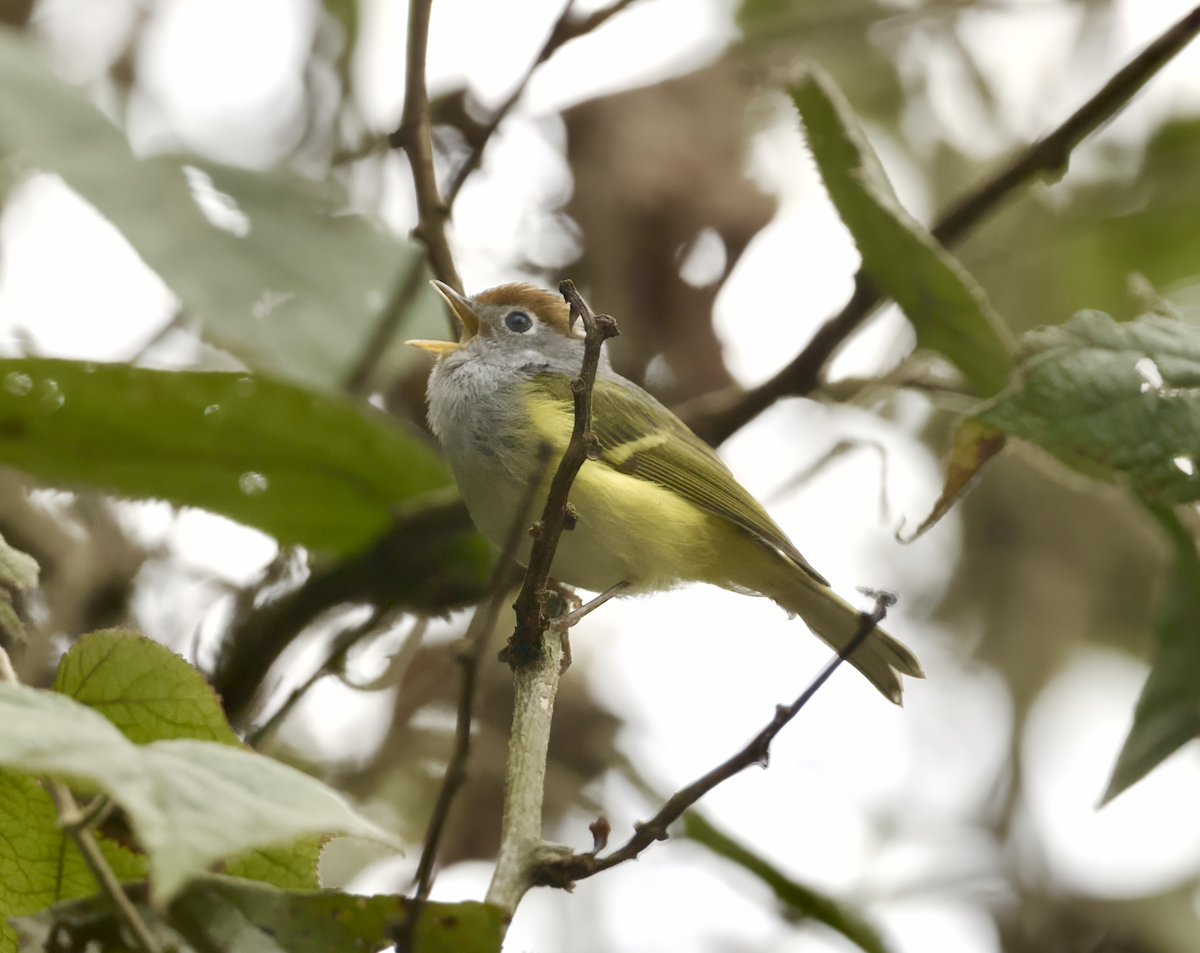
[537,656]
[414,137]
[564,873]
[565,29]
[76,825]
[342,645]
[530,604]
[483,623]
[718,415]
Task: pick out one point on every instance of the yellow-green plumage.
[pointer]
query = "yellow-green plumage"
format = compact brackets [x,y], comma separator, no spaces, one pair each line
[658,508]
[670,512]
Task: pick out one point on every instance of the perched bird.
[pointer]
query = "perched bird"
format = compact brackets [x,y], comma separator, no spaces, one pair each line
[658,508]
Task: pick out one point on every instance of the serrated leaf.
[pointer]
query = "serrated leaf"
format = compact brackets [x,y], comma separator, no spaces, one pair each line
[289,866]
[304,467]
[143,688]
[39,864]
[1167,715]
[220,909]
[1110,399]
[299,284]
[191,803]
[799,900]
[945,305]
[151,694]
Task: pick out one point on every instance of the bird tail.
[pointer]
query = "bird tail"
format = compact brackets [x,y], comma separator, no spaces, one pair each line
[881,658]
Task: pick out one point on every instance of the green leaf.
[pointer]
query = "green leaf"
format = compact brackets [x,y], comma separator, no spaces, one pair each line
[1112,399]
[290,866]
[150,693]
[1167,715]
[306,468]
[143,688]
[39,864]
[946,307]
[216,911]
[295,289]
[191,803]
[18,570]
[800,901]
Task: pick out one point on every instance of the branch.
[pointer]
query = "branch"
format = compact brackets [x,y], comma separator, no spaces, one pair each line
[483,623]
[75,824]
[716,416]
[536,656]
[342,644]
[531,602]
[414,137]
[564,873]
[565,29]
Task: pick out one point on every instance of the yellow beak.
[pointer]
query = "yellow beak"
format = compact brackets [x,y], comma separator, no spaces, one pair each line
[462,310]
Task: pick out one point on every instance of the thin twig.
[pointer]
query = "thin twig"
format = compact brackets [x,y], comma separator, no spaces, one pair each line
[530,604]
[565,29]
[75,825]
[564,873]
[342,645]
[483,623]
[414,137]
[717,416]
[536,656]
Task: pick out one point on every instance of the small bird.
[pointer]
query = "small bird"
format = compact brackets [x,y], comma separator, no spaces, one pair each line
[657,509]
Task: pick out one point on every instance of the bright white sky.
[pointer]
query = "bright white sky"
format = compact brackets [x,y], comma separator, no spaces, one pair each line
[223,76]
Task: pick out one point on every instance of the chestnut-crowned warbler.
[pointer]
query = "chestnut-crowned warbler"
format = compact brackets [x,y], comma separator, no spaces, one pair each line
[658,508]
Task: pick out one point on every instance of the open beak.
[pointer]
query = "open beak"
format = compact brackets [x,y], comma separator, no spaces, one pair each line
[462,310]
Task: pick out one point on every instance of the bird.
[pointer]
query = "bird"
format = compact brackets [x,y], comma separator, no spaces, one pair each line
[656,509]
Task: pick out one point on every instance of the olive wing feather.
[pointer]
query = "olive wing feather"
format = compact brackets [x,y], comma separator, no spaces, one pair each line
[642,438]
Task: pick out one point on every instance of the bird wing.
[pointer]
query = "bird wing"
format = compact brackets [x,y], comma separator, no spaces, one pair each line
[642,438]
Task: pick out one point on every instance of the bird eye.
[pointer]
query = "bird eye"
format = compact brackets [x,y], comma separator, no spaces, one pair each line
[519,321]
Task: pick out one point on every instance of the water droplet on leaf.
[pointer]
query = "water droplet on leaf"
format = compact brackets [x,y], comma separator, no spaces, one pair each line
[252,484]
[18,384]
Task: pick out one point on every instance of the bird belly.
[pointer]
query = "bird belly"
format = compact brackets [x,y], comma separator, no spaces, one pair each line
[626,529]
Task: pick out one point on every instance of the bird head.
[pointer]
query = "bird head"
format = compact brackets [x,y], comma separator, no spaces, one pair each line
[514,317]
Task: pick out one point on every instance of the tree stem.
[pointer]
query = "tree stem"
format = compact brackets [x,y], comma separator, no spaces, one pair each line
[521,843]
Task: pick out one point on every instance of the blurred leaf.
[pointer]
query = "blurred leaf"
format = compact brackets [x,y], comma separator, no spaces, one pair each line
[143,688]
[975,443]
[345,12]
[17,571]
[946,307]
[222,913]
[800,901]
[306,468]
[291,282]
[39,863]
[1109,398]
[290,866]
[1049,254]
[192,803]
[1167,715]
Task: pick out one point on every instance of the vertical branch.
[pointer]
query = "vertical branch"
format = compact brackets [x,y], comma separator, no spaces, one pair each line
[536,656]
[415,137]
[483,623]
[531,601]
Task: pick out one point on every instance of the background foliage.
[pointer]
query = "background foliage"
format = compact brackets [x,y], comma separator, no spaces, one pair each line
[1063,329]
